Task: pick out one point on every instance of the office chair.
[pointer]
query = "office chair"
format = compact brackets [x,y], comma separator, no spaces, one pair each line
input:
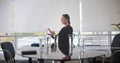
[115,49]
[9,52]
[115,45]
[115,58]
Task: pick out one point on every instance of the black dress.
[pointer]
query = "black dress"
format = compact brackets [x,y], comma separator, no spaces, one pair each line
[63,39]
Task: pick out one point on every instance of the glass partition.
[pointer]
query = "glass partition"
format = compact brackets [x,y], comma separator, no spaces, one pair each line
[26,39]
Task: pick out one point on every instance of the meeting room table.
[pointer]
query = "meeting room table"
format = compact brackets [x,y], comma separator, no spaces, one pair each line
[42,54]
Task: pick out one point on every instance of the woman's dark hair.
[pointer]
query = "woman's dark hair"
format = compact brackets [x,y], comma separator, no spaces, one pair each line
[67,17]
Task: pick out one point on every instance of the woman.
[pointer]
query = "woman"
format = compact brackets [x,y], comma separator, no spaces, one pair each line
[63,36]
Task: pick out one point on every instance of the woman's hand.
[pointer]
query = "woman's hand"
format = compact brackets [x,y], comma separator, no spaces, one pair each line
[51,32]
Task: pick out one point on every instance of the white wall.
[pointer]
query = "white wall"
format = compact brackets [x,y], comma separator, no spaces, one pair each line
[36,15]
[99,14]
[5,16]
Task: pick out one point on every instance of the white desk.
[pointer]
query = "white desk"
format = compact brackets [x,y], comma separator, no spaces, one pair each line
[77,55]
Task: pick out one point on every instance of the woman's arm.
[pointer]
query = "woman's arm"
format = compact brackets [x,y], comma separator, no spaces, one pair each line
[52,33]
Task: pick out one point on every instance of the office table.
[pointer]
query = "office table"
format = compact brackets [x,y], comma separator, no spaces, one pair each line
[57,56]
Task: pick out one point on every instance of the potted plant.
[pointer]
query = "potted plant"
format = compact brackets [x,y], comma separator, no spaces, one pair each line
[117,25]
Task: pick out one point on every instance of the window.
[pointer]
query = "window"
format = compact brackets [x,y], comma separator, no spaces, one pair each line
[7,37]
[95,38]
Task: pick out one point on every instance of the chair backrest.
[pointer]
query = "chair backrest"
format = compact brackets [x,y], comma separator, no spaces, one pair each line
[8,46]
[115,58]
[115,45]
